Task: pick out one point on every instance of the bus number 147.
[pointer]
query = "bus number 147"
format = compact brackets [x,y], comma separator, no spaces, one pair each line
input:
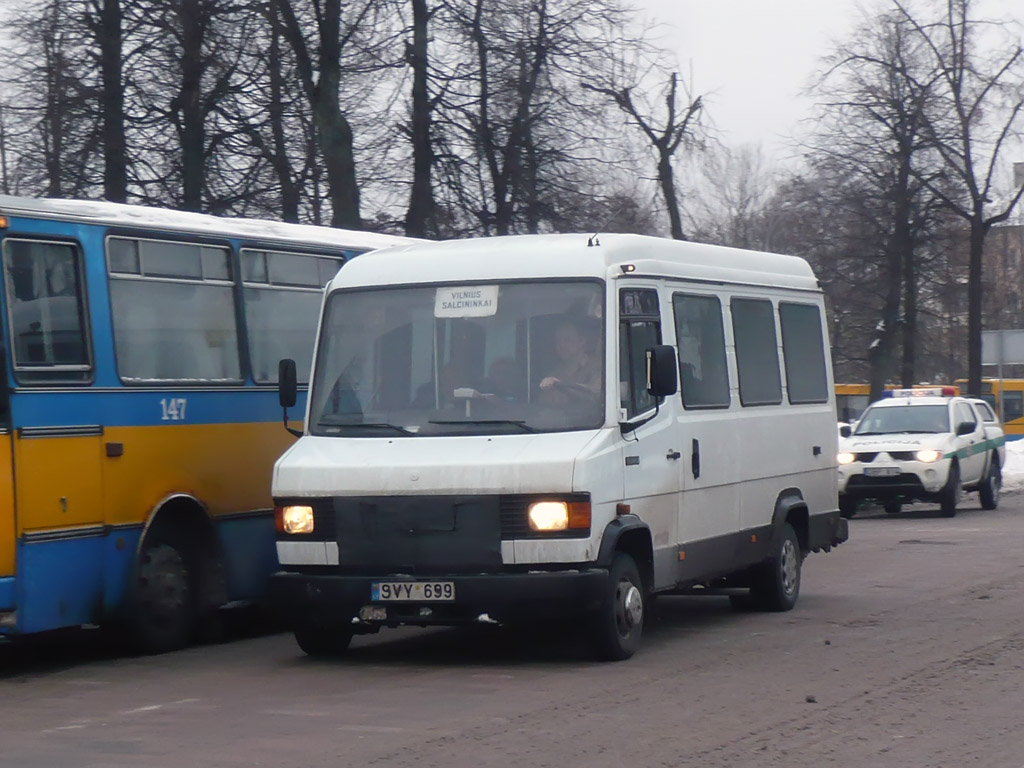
[173,408]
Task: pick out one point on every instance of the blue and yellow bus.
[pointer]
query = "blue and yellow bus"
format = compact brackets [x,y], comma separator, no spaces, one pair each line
[140,420]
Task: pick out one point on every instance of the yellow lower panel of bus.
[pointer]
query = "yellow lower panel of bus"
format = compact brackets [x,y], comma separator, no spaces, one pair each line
[226,466]
[6,508]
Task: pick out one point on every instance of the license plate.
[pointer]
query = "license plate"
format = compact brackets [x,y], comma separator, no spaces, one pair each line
[881,471]
[412,591]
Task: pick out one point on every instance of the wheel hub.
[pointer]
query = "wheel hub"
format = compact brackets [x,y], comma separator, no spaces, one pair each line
[633,606]
[788,564]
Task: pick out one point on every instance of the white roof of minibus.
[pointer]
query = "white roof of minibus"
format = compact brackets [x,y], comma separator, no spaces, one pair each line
[541,256]
[168,220]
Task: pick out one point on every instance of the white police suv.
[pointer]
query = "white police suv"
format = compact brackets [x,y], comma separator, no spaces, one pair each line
[923,444]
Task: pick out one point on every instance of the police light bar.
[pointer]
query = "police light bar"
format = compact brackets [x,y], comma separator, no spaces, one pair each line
[921,392]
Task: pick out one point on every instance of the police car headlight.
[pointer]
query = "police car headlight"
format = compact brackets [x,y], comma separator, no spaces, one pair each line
[928,455]
[296,519]
[845,458]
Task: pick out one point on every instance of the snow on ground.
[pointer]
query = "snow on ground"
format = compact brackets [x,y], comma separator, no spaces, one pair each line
[1013,472]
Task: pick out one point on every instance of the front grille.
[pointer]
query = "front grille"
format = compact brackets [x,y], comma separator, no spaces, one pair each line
[866,457]
[902,455]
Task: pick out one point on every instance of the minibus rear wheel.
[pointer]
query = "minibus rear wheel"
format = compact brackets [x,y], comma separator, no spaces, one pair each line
[619,623]
[778,581]
[323,641]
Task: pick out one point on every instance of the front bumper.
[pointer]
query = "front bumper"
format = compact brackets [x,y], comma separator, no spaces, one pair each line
[916,479]
[479,598]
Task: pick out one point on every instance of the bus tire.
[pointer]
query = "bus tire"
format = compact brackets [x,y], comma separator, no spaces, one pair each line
[989,489]
[950,495]
[323,641]
[777,586]
[163,612]
[619,623]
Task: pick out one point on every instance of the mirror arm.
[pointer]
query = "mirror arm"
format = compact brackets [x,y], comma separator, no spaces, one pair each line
[630,426]
[291,430]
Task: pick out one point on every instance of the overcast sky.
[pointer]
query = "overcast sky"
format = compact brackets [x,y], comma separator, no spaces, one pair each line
[757,55]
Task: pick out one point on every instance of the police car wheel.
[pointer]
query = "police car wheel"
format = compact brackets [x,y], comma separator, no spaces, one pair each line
[847,507]
[892,507]
[323,641]
[989,490]
[950,495]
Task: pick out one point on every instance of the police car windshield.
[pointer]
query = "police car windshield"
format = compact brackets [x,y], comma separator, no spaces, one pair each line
[904,419]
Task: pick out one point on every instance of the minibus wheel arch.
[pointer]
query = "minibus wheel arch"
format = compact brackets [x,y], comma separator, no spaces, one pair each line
[629,534]
[791,508]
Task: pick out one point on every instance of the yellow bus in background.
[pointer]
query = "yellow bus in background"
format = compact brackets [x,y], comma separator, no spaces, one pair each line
[1006,396]
[853,399]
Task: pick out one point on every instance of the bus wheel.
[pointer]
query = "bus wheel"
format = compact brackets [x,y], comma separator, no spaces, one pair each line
[323,641]
[950,495]
[989,490]
[163,614]
[778,585]
[619,623]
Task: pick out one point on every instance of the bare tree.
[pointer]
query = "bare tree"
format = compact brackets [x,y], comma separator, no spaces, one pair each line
[680,125]
[980,84]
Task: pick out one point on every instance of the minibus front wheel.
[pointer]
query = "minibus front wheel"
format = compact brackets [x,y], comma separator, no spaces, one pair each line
[322,640]
[619,623]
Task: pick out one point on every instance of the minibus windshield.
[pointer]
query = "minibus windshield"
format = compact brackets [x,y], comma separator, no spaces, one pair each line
[496,358]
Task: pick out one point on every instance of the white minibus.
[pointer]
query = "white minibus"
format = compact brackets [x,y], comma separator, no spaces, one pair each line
[549,426]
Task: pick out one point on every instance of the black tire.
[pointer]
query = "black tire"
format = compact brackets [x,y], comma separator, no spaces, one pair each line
[322,641]
[777,584]
[162,612]
[619,623]
[847,507]
[989,490]
[950,495]
[892,507]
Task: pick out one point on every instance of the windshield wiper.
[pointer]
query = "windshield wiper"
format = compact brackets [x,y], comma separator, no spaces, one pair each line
[365,424]
[484,422]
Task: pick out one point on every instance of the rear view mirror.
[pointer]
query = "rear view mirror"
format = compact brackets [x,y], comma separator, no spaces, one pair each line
[845,431]
[662,374]
[287,383]
[964,428]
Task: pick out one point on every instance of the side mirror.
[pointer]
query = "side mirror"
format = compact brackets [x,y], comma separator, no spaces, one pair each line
[287,391]
[845,431]
[287,383]
[964,428]
[662,373]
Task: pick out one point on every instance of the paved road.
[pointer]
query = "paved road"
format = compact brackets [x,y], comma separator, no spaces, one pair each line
[907,649]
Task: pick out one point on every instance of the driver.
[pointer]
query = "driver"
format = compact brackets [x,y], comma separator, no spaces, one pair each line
[578,370]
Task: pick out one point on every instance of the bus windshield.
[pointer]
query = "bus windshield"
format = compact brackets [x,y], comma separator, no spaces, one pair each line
[501,358]
[904,419]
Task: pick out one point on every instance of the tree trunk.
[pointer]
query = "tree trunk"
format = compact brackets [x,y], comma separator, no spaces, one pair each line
[193,135]
[979,229]
[668,189]
[421,198]
[279,155]
[115,160]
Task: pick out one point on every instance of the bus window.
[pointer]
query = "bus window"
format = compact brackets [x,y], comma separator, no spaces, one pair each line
[173,310]
[47,312]
[1013,405]
[757,356]
[282,294]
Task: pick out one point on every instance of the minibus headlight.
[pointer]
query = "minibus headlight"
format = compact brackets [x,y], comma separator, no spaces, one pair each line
[928,455]
[295,519]
[845,458]
[559,515]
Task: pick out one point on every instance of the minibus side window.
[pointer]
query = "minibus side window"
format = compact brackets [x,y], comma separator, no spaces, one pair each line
[47,313]
[757,351]
[803,349]
[639,329]
[700,338]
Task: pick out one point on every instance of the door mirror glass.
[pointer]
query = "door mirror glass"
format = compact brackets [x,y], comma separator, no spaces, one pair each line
[662,376]
[845,430]
[287,383]
[964,428]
